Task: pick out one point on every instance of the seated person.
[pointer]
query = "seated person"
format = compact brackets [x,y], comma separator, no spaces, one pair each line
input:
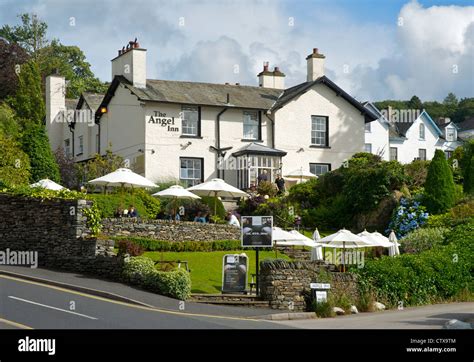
[132,212]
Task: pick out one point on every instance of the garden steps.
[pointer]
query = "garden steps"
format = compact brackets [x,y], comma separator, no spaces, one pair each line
[230,299]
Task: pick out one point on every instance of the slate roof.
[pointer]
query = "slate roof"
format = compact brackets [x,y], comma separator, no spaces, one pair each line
[240,96]
[93,100]
[257,148]
[71,103]
[211,94]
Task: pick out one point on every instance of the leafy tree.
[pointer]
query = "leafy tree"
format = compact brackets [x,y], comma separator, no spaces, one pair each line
[12,56]
[14,163]
[100,165]
[8,124]
[36,144]
[71,63]
[439,186]
[467,166]
[469,177]
[30,35]
[67,169]
[28,101]
[415,103]
[464,110]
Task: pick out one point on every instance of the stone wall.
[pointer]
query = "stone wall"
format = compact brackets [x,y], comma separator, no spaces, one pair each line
[285,283]
[57,230]
[169,230]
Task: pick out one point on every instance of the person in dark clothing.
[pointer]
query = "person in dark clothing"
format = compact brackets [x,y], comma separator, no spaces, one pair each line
[263,176]
[280,182]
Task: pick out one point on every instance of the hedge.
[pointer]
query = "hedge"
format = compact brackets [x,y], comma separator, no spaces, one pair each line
[141,271]
[161,245]
[435,275]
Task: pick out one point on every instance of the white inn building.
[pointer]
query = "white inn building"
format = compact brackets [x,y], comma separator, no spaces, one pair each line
[194,131]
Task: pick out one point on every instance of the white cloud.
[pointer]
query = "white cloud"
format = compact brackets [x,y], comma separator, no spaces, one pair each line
[434,56]
[384,61]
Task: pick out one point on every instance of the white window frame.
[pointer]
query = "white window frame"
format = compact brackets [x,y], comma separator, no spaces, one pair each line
[369,147]
[317,168]
[67,147]
[251,125]
[422,132]
[190,127]
[368,127]
[390,153]
[420,152]
[319,129]
[81,145]
[450,137]
[192,174]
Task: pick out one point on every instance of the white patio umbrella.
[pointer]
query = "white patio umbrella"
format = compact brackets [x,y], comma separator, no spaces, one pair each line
[383,240]
[217,187]
[393,251]
[373,239]
[123,177]
[48,185]
[344,239]
[301,174]
[176,192]
[316,251]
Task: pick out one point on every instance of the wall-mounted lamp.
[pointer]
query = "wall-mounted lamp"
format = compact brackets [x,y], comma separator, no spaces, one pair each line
[300,150]
[103,110]
[152,151]
[185,145]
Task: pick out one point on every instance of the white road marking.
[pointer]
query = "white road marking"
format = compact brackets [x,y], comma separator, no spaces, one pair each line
[50,307]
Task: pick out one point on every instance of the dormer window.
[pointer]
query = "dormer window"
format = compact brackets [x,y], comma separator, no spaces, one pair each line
[450,134]
[422,131]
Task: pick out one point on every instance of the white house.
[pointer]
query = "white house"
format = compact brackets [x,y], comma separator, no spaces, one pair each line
[196,131]
[410,138]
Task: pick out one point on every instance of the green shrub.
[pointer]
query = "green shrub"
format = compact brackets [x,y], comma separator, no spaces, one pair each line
[109,203]
[94,220]
[416,173]
[323,310]
[141,271]
[423,239]
[279,209]
[137,269]
[177,246]
[435,275]
[35,143]
[175,283]
[209,201]
[14,163]
[150,204]
[439,187]
[267,188]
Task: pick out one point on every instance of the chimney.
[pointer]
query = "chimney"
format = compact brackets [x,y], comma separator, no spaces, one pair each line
[131,63]
[315,65]
[269,79]
[55,103]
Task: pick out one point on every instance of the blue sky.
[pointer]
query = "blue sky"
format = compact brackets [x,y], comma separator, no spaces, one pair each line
[374,49]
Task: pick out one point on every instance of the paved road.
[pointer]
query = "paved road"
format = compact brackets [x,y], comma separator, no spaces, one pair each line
[426,317]
[26,304]
[143,296]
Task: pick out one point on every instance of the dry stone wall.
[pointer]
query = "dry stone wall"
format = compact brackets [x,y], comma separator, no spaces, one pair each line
[169,230]
[56,229]
[284,283]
